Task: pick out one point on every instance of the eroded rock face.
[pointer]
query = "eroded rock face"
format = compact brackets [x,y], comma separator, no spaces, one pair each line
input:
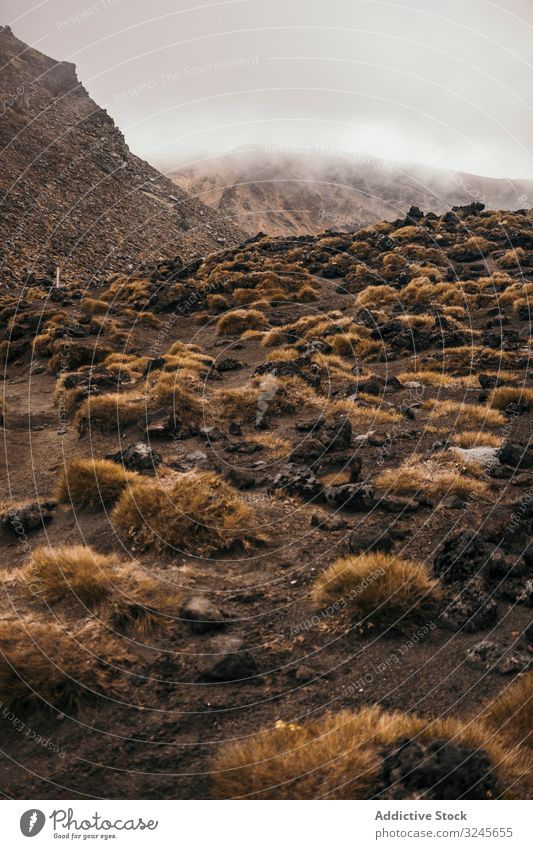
[436,769]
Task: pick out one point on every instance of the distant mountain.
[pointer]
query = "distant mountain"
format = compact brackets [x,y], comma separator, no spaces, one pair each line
[297,193]
[71,192]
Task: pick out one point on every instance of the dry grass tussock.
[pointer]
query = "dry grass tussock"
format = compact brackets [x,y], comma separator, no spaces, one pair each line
[381,589]
[236,322]
[92,484]
[373,416]
[476,438]
[121,593]
[463,414]
[340,756]
[110,412]
[437,477]
[510,715]
[172,391]
[197,512]
[503,396]
[44,665]
[264,395]
[436,378]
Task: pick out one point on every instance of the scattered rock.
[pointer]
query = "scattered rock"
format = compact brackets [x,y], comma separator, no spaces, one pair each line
[201,615]
[350,496]
[436,769]
[469,609]
[139,457]
[326,522]
[27,517]
[227,661]
[491,656]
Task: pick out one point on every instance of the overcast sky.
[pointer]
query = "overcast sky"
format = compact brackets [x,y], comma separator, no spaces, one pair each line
[441,83]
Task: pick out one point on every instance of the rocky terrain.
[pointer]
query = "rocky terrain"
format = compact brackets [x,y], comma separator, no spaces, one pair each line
[282,193]
[267,520]
[71,193]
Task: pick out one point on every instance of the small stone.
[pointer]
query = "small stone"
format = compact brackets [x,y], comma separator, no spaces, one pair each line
[202,615]
[227,661]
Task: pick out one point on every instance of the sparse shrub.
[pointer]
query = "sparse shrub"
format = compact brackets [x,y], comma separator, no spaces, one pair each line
[234,323]
[341,756]
[197,513]
[93,484]
[381,589]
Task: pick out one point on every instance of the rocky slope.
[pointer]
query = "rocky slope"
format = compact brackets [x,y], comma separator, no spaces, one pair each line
[71,192]
[293,479]
[280,193]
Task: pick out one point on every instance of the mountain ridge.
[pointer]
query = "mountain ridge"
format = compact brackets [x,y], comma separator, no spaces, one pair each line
[72,194]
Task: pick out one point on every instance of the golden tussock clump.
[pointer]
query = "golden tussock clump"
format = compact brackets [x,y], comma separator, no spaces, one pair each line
[120,592]
[236,322]
[503,396]
[265,395]
[198,513]
[110,412]
[464,414]
[170,391]
[374,416]
[435,478]
[380,588]
[373,296]
[513,258]
[43,665]
[340,756]
[436,378]
[476,438]
[217,303]
[510,715]
[93,484]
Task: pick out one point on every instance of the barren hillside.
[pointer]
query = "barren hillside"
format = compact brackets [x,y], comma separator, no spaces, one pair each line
[267,527]
[280,193]
[71,192]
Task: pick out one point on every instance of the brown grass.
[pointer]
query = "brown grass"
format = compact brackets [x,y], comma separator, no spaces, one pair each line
[119,592]
[464,414]
[44,665]
[476,438]
[383,589]
[264,394]
[93,484]
[197,513]
[236,322]
[511,713]
[434,478]
[171,391]
[339,756]
[503,396]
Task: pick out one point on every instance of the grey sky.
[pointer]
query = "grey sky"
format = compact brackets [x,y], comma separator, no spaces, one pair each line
[448,84]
